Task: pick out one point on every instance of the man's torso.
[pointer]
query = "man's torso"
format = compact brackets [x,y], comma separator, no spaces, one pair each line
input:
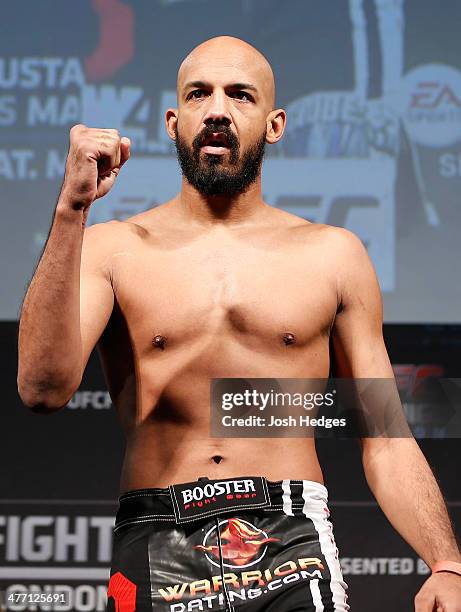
[195,303]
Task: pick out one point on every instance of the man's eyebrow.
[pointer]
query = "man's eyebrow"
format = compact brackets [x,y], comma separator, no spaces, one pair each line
[204,84]
[243,86]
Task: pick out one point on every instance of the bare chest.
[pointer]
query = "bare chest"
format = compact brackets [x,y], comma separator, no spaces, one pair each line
[187,294]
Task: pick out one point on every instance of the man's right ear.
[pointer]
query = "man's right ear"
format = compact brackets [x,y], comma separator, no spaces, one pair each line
[171,121]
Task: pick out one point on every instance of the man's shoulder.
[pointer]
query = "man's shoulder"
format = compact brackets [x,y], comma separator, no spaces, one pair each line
[136,226]
[340,237]
[332,236]
[338,248]
[343,246]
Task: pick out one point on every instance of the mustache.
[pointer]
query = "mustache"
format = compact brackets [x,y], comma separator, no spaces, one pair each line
[209,130]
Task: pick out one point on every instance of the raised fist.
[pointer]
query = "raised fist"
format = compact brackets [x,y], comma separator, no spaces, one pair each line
[93,162]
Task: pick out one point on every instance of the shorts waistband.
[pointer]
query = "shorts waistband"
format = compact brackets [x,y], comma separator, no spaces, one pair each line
[158,504]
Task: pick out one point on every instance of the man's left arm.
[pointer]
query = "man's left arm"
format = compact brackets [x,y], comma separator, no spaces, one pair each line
[395,468]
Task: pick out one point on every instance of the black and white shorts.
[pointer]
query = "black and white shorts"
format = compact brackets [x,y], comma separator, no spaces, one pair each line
[241,544]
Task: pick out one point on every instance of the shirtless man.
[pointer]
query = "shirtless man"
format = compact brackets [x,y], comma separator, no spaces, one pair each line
[216,283]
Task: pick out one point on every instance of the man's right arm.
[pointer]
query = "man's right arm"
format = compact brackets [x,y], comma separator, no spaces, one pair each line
[63,315]
[70,297]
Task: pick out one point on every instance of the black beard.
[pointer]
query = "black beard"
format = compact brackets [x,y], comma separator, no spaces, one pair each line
[208,176]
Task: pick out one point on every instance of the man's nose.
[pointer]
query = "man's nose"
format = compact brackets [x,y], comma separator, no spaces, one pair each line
[217,111]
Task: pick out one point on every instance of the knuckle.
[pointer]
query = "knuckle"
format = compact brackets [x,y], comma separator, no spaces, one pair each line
[112,133]
[76,127]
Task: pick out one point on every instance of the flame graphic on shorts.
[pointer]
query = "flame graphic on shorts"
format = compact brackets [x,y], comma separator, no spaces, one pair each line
[239,543]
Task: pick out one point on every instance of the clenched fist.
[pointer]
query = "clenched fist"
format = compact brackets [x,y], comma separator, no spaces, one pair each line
[93,162]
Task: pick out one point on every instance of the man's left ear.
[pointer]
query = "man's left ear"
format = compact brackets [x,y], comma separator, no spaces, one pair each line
[275,125]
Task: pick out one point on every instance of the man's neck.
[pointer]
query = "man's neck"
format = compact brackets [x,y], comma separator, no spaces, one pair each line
[221,210]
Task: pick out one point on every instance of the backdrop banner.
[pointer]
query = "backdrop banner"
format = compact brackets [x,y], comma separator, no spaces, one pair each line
[372,91]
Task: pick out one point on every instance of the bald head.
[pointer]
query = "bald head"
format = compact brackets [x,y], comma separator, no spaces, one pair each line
[232,58]
[225,116]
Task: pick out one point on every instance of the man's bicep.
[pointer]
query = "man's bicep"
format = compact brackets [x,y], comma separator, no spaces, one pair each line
[360,353]
[96,293]
[358,342]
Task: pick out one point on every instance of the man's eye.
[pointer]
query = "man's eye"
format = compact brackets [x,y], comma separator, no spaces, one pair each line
[241,95]
[197,93]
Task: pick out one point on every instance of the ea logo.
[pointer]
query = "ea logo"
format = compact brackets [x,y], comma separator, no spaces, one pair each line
[242,544]
[429,102]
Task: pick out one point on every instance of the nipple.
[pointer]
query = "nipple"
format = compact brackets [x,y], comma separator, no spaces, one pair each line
[288,338]
[159,341]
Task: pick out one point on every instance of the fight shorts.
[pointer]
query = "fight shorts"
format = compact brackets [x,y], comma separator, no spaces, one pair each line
[240,544]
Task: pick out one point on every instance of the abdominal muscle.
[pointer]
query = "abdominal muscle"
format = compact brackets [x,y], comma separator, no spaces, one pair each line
[164,408]
[160,455]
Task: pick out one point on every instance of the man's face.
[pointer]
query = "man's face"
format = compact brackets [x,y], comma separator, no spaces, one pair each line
[220,134]
[225,170]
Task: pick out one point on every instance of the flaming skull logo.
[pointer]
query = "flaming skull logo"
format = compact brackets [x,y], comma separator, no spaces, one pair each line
[241,542]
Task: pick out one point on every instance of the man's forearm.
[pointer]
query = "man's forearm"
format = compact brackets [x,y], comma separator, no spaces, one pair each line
[50,351]
[407,491]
